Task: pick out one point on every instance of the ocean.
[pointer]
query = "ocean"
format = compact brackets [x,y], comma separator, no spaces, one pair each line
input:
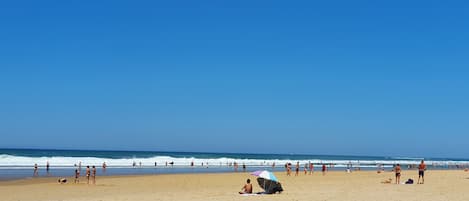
[19,163]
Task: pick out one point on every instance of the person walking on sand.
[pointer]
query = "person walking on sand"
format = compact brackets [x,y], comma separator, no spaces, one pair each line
[77,176]
[93,174]
[422,169]
[397,170]
[324,169]
[88,174]
[247,188]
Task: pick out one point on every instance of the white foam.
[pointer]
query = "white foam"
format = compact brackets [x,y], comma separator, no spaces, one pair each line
[56,161]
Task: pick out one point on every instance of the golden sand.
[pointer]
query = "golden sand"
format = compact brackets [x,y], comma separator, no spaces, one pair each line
[448,185]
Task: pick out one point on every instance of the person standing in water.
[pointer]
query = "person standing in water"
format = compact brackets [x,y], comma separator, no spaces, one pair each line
[104,167]
[297,168]
[93,175]
[35,170]
[88,173]
[77,176]
[47,168]
[311,168]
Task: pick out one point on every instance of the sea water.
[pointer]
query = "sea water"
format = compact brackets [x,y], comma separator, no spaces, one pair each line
[19,163]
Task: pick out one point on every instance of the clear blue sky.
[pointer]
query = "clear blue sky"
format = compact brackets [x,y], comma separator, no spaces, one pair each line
[343,77]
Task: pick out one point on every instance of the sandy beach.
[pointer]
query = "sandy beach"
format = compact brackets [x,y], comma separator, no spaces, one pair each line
[363,185]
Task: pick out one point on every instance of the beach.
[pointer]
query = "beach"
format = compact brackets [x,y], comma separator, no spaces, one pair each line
[335,185]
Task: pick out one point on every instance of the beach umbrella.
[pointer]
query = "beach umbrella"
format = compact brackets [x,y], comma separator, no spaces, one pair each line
[268,181]
[269,186]
[265,174]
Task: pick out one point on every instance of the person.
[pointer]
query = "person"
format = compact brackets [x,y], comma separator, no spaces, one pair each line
[297,168]
[288,169]
[244,167]
[35,170]
[77,176]
[47,167]
[397,170]
[62,180]
[88,174]
[422,168]
[93,174]
[311,168]
[273,166]
[323,169]
[104,167]
[247,188]
[306,169]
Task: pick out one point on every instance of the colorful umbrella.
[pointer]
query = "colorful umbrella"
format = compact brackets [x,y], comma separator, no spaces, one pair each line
[265,174]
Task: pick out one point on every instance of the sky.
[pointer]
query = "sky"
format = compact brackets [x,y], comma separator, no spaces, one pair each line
[384,78]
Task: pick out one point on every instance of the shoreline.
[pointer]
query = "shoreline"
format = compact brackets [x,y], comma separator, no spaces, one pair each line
[53,179]
[148,171]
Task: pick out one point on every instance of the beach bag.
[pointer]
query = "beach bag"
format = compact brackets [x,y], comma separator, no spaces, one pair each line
[409,181]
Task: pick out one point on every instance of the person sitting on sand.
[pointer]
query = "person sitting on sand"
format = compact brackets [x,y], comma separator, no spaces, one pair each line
[247,188]
[397,170]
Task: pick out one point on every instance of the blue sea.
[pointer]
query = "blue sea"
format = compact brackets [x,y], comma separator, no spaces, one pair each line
[19,163]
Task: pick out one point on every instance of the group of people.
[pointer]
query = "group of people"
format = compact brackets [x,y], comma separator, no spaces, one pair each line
[422,168]
[36,169]
[90,173]
[308,166]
